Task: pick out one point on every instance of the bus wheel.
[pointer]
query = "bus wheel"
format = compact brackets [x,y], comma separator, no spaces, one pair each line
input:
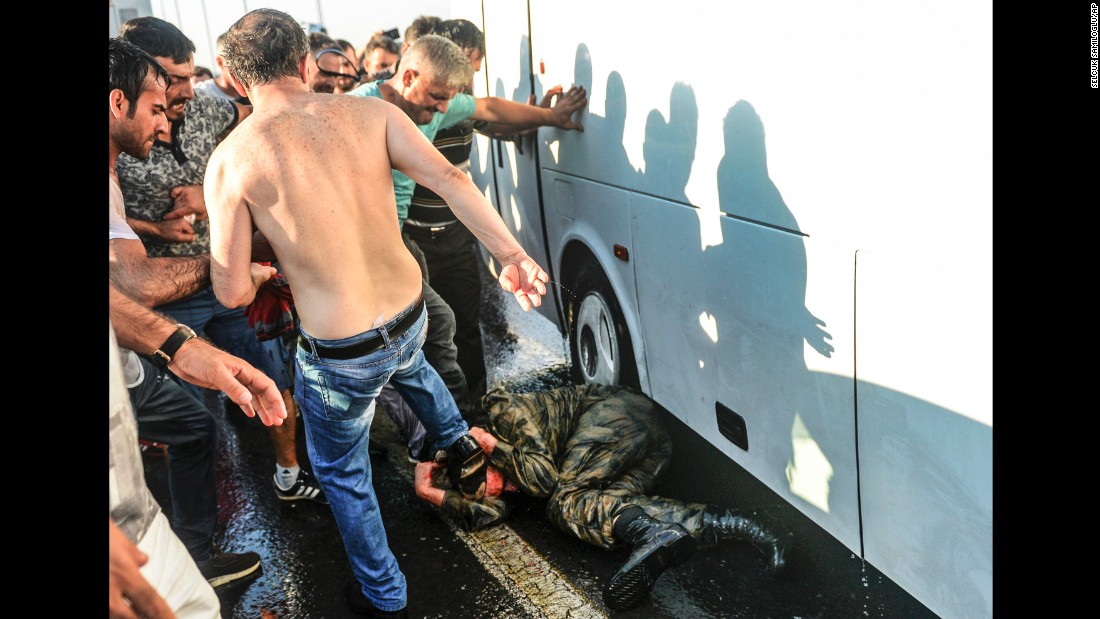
[598,338]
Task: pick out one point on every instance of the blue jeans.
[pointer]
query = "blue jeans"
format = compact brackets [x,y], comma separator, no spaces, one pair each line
[228,329]
[336,399]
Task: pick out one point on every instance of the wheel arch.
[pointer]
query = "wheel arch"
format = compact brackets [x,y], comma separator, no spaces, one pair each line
[575,255]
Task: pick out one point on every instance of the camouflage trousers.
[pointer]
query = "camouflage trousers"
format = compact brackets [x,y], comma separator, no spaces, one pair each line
[614,459]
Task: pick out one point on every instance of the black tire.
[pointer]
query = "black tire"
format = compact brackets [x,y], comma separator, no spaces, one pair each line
[599,342]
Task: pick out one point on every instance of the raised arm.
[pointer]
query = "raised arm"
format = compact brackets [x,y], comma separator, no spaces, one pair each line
[411,153]
[523,116]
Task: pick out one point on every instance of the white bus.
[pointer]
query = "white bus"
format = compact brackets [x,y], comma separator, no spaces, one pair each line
[778,224]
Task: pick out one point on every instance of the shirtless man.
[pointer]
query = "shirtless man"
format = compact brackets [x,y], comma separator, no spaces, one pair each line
[311,173]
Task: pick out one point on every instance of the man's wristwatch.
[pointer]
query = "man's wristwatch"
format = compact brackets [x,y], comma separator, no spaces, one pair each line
[163,355]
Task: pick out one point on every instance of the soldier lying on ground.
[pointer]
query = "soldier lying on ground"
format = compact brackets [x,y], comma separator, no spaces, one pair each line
[595,452]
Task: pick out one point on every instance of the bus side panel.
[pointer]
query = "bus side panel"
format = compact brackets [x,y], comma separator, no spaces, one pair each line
[785,361]
[598,217]
[483,163]
[870,123]
[925,426]
[508,68]
[679,351]
[727,324]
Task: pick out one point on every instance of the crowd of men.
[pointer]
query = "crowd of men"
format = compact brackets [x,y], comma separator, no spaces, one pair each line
[225,232]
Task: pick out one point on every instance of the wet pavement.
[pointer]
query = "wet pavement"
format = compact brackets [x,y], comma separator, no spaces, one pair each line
[523,569]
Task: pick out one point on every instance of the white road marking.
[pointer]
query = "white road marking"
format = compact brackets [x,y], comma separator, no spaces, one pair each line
[537,585]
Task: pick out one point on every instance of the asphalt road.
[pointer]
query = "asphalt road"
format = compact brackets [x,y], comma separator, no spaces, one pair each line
[523,569]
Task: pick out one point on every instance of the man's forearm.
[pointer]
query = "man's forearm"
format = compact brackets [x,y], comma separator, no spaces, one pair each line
[143,227]
[504,131]
[518,116]
[155,281]
[471,208]
[137,327]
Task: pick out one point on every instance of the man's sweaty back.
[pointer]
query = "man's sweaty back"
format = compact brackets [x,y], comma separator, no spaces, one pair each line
[315,178]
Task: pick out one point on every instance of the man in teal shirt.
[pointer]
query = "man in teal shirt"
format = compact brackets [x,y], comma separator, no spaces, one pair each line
[428,87]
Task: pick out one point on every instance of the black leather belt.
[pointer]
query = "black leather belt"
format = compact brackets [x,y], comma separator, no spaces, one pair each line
[367,346]
[433,230]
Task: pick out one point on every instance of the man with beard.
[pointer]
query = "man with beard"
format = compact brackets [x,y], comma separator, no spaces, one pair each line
[170,580]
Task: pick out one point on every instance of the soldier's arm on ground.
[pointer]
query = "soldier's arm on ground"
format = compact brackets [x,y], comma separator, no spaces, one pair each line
[475,515]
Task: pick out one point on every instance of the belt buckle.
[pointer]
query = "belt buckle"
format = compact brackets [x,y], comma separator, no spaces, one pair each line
[434,229]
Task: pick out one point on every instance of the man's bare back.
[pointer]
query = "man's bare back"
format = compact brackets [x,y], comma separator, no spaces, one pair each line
[312,173]
[315,177]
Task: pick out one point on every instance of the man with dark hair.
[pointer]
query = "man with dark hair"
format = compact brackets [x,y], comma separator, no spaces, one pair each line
[379,57]
[140,83]
[312,174]
[167,209]
[596,453]
[219,86]
[151,571]
[165,412]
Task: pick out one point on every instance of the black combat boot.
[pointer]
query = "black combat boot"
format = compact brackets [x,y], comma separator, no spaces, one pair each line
[657,546]
[362,606]
[466,465]
[753,526]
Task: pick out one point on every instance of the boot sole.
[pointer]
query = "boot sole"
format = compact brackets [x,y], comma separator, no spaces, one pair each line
[225,579]
[628,588]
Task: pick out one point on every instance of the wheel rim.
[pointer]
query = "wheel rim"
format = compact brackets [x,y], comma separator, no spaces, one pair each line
[597,344]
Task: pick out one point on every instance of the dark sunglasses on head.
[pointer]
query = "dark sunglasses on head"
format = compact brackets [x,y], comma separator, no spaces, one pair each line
[359,73]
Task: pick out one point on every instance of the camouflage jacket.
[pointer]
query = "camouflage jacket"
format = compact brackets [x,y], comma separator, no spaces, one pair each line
[147,185]
[533,432]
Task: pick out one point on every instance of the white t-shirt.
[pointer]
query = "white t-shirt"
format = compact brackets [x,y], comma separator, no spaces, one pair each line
[117,227]
[132,371]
